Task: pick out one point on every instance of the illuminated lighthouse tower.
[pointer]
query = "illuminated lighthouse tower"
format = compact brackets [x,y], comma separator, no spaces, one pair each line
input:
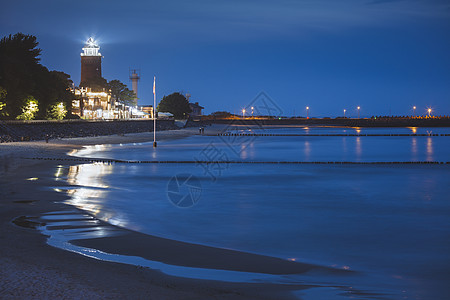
[91,62]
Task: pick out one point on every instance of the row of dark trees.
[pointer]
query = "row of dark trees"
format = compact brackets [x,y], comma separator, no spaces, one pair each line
[25,84]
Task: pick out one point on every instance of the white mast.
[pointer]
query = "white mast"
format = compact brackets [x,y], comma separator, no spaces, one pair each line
[154,111]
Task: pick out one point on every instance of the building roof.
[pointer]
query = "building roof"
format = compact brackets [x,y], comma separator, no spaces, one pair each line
[195,105]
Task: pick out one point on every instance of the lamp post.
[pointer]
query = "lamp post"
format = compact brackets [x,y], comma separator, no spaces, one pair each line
[344,112]
[414,110]
[307,112]
[252,112]
[429,112]
[359,108]
[243,113]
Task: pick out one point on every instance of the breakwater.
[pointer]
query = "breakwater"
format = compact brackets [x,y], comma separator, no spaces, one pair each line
[334,134]
[240,162]
[371,122]
[14,131]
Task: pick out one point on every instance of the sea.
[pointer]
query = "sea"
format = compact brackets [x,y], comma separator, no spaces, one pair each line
[371,201]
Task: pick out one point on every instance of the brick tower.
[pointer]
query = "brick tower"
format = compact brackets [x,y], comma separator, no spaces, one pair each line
[91,62]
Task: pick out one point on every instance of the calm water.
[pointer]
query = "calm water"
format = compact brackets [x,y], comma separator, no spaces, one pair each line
[390,223]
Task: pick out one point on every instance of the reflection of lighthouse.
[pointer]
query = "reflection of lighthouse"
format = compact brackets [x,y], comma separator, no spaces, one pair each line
[134,77]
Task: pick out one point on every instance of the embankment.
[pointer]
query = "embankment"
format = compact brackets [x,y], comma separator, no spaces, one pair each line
[14,131]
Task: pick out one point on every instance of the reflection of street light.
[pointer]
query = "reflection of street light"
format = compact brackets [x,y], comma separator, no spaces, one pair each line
[359,108]
[344,112]
[243,113]
[307,112]
[414,109]
[252,111]
[429,112]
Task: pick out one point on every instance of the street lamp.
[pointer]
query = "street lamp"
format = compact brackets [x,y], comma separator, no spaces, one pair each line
[359,108]
[252,111]
[414,109]
[344,112]
[243,113]
[307,112]
[429,112]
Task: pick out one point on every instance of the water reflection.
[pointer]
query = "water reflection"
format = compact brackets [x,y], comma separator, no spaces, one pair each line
[154,156]
[307,150]
[244,153]
[429,149]
[89,175]
[414,148]
[59,172]
[88,150]
[358,148]
[344,145]
[413,129]
[247,151]
[90,190]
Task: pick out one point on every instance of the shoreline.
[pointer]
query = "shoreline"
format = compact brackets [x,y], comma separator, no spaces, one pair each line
[32,268]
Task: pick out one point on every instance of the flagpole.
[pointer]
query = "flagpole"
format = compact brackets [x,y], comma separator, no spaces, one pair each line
[154,112]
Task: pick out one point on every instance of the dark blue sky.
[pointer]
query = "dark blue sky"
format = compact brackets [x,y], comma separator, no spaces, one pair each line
[385,56]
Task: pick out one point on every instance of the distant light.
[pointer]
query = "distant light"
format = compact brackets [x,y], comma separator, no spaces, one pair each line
[414,107]
[91,42]
[359,107]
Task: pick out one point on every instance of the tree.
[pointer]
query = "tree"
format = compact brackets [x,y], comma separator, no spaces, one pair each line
[2,103]
[29,109]
[57,90]
[19,63]
[176,104]
[57,111]
[22,76]
[121,93]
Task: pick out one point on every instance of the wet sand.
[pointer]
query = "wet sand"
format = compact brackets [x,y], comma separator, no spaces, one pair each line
[192,255]
[33,269]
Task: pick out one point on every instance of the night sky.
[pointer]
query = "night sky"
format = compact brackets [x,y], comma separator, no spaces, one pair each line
[385,56]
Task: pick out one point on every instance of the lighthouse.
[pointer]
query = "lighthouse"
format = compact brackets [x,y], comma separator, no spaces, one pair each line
[91,63]
[134,77]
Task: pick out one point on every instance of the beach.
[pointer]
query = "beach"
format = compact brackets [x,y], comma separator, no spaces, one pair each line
[33,269]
